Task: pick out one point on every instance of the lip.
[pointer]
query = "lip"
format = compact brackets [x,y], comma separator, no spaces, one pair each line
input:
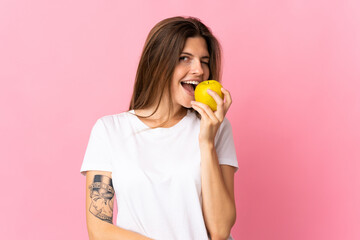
[188,92]
[195,79]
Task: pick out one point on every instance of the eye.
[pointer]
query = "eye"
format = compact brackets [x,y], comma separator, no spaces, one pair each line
[184,59]
[205,63]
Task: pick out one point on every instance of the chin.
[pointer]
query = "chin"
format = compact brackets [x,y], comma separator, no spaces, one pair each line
[187,105]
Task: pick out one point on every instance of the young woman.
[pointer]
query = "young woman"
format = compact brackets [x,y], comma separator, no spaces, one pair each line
[169,160]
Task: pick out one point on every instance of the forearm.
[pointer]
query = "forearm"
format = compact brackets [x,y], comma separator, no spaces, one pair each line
[218,207]
[112,232]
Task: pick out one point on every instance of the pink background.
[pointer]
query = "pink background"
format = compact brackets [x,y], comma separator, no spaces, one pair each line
[292,68]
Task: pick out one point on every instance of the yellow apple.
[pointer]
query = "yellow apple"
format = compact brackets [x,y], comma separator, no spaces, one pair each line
[202,96]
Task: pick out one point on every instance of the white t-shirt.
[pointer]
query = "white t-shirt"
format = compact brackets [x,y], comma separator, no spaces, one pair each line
[156,173]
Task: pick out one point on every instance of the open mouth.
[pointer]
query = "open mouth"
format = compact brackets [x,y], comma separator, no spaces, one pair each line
[189,87]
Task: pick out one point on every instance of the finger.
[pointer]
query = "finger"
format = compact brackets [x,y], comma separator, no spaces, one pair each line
[227,98]
[209,112]
[219,102]
[216,96]
[200,110]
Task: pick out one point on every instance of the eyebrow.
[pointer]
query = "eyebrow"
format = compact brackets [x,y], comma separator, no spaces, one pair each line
[193,55]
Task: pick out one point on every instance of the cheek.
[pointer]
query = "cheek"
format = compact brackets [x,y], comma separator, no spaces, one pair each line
[175,83]
[206,73]
[180,71]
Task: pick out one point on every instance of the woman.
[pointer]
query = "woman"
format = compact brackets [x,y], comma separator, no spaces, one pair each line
[169,160]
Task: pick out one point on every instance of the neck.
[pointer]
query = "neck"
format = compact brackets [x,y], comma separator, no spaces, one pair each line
[162,112]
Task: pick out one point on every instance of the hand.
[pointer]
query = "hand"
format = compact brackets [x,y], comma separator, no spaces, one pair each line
[211,121]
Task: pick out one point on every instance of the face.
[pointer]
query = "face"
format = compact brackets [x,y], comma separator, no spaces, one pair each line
[193,65]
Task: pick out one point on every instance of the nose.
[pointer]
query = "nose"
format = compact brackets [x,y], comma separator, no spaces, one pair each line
[196,67]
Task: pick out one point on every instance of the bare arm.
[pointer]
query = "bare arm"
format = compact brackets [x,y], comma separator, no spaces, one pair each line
[99,209]
[218,194]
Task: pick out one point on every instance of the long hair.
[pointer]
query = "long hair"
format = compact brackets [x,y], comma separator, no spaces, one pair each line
[160,56]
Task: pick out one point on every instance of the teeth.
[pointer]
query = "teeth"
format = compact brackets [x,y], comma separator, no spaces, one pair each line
[191,82]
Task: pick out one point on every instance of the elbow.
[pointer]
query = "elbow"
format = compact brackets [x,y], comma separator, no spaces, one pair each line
[92,235]
[95,234]
[224,232]
[219,236]
[98,234]
[97,230]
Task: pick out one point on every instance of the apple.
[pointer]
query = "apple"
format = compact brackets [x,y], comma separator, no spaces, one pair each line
[202,96]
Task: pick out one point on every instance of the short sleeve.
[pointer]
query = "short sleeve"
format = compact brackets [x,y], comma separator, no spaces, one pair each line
[97,154]
[224,144]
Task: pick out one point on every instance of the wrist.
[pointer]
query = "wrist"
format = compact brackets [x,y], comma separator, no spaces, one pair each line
[206,144]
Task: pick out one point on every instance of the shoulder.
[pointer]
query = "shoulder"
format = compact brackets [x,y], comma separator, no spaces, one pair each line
[224,131]
[112,121]
[195,121]
[225,124]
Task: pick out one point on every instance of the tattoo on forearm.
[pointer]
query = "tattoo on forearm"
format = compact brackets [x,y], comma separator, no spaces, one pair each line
[102,201]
